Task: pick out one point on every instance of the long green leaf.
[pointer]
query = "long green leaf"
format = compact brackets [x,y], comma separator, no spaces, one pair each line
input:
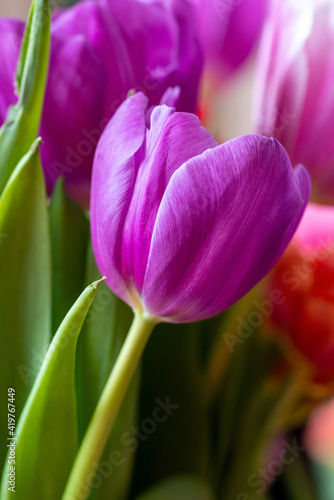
[179,488]
[22,124]
[69,239]
[25,283]
[103,334]
[47,433]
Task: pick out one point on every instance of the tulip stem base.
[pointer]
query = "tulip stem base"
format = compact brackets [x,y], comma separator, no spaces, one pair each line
[78,486]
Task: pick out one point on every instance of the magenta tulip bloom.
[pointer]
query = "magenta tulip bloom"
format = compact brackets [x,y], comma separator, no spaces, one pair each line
[228,30]
[295,99]
[181,226]
[100,50]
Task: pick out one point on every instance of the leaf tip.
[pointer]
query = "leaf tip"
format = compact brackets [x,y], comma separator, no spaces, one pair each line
[97,283]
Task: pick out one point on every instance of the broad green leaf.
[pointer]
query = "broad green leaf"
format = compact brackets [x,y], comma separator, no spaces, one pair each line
[22,124]
[177,442]
[25,288]
[47,433]
[69,239]
[103,334]
[179,488]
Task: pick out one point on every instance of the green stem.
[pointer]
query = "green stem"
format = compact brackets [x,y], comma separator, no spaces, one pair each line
[82,474]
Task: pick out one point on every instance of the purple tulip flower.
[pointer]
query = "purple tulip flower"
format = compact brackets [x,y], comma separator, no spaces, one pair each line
[99,51]
[228,31]
[294,98]
[181,226]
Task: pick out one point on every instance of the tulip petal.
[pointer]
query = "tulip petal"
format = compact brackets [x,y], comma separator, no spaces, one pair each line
[228,30]
[189,56]
[100,26]
[288,26]
[163,45]
[73,101]
[171,98]
[314,145]
[116,164]
[225,218]
[172,140]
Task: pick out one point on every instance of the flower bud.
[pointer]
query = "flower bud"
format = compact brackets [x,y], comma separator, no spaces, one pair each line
[181,226]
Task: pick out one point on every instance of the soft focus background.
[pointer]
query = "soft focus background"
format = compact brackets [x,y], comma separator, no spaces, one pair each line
[234,104]
[234,108]
[237,423]
[19,8]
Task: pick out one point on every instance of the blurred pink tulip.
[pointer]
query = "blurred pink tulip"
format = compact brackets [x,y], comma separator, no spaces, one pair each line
[228,31]
[181,226]
[294,99]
